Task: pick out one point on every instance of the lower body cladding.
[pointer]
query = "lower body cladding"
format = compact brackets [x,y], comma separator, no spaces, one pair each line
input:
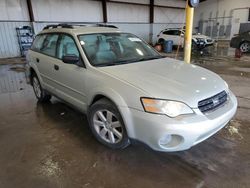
[235,43]
[166,134]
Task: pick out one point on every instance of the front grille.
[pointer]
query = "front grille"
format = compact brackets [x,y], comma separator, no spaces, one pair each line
[213,102]
[200,39]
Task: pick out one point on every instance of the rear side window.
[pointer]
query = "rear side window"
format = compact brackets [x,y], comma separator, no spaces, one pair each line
[171,32]
[38,42]
[49,45]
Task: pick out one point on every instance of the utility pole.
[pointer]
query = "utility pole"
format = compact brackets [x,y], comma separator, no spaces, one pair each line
[188,33]
[189,29]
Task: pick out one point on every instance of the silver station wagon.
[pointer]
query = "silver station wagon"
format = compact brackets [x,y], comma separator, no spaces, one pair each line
[127,89]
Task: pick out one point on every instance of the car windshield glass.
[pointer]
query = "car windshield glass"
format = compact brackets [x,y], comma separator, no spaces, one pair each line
[108,49]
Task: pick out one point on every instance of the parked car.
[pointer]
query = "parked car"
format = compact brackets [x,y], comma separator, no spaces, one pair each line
[241,41]
[127,89]
[177,36]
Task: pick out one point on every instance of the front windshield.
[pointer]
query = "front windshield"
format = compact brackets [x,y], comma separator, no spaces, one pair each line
[106,49]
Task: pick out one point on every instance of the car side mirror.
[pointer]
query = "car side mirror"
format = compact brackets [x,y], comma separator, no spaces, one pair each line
[70,59]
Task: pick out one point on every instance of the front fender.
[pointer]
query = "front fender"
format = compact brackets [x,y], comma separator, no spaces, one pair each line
[120,103]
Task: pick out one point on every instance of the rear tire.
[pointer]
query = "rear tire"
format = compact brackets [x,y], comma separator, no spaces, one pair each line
[107,125]
[245,47]
[40,94]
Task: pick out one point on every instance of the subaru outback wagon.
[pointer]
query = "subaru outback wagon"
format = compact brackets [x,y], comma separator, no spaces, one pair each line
[127,89]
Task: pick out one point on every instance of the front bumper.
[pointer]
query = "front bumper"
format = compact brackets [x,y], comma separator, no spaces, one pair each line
[175,134]
[210,44]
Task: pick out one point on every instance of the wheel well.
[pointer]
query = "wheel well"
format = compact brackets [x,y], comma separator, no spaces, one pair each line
[244,41]
[99,97]
[32,73]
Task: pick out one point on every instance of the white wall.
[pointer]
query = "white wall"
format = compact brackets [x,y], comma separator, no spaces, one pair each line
[127,13]
[135,1]
[67,10]
[9,46]
[209,9]
[13,10]
[174,3]
[169,15]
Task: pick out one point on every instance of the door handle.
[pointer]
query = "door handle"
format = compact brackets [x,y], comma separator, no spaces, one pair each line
[37,60]
[56,67]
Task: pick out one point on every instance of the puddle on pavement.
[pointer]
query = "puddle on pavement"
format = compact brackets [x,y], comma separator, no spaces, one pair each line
[17,69]
[234,129]
[12,79]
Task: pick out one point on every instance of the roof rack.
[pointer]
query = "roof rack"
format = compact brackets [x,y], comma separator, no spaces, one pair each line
[52,26]
[71,26]
[105,25]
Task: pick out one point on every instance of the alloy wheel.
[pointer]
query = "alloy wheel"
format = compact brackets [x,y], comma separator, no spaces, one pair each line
[107,126]
[245,47]
[37,87]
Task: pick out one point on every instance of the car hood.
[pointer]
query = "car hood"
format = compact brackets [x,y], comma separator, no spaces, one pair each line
[201,36]
[169,79]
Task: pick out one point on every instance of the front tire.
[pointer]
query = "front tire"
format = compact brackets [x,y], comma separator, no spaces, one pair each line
[107,125]
[245,47]
[40,94]
[161,41]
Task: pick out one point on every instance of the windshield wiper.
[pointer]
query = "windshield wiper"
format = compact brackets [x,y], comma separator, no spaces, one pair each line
[122,62]
[138,59]
[150,58]
[106,64]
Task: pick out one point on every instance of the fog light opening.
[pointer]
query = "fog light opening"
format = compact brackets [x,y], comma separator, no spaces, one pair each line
[170,141]
[165,140]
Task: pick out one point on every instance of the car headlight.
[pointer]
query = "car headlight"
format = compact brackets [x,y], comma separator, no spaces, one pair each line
[167,107]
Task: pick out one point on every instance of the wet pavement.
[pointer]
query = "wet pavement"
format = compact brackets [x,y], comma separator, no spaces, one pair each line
[50,145]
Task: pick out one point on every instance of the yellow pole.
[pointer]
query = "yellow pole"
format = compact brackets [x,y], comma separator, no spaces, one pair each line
[188,33]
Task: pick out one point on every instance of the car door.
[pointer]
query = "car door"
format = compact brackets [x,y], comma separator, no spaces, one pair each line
[172,35]
[70,78]
[181,36]
[43,57]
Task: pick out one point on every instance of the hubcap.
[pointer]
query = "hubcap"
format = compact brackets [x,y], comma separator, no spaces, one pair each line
[37,87]
[244,47]
[107,126]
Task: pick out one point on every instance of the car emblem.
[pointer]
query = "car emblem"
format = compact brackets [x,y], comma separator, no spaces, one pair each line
[215,101]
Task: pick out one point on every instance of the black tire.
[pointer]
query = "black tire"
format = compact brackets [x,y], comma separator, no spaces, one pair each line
[43,96]
[161,41]
[102,106]
[245,47]
[194,45]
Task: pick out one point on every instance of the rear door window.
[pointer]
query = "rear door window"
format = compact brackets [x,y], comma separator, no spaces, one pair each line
[67,46]
[49,45]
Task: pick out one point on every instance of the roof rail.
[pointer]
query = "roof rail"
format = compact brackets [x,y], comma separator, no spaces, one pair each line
[106,25]
[70,26]
[52,26]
